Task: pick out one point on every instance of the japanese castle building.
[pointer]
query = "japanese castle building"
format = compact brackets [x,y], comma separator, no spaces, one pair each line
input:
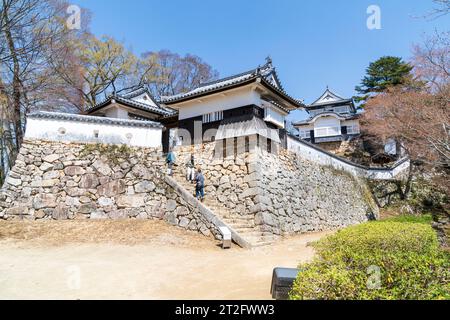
[252,103]
[249,103]
[137,104]
[332,119]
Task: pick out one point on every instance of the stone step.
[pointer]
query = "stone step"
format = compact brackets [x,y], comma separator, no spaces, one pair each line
[211,204]
[240,220]
[261,238]
[256,234]
[244,229]
[258,238]
[234,215]
[240,224]
[261,243]
[214,207]
[239,217]
[244,225]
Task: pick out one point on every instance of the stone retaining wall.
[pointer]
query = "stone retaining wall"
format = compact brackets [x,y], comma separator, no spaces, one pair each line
[55,180]
[300,196]
[285,192]
[230,181]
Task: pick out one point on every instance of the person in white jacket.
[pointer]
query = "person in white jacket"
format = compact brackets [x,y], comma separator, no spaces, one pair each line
[190,169]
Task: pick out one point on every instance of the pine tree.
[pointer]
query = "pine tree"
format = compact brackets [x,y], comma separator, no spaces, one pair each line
[385,72]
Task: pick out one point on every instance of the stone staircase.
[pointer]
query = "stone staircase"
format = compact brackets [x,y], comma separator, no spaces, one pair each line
[242,225]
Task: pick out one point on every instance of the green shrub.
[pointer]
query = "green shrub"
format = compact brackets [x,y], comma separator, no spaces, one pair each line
[427,197]
[377,260]
[424,218]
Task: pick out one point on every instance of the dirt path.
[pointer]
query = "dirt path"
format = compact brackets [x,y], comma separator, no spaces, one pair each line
[79,260]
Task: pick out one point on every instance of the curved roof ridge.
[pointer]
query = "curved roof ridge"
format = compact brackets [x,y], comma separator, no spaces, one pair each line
[92,119]
[205,84]
[259,69]
[157,108]
[327,113]
[135,92]
[262,72]
[326,93]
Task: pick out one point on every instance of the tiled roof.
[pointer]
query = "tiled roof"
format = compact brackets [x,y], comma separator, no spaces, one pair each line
[343,101]
[128,99]
[340,115]
[335,99]
[266,73]
[209,87]
[276,104]
[136,92]
[93,119]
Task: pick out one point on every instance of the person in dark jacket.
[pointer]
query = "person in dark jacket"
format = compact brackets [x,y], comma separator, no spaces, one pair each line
[199,185]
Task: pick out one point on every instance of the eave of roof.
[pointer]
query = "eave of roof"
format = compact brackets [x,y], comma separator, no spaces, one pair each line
[278,81]
[326,113]
[136,92]
[144,89]
[292,100]
[242,74]
[232,85]
[327,90]
[330,103]
[237,80]
[216,86]
[277,106]
[93,119]
[163,111]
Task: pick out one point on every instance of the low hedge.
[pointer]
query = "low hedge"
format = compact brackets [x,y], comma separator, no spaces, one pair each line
[398,259]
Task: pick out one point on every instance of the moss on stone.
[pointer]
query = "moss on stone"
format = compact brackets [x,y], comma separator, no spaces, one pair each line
[111,152]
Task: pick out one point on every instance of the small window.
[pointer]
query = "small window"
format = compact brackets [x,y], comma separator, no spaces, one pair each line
[213,138]
[212,117]
[95,133]
[341,109]
[353,129]
[305,134]
[62,130]
[224,149]
[247,144]
[129,136]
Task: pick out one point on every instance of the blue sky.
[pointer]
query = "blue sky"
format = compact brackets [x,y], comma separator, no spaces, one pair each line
[312,43]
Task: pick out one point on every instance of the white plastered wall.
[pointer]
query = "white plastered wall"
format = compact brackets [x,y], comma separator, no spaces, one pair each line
[116,112]
[330,124]
[76,131]
[321,157]
[217,102]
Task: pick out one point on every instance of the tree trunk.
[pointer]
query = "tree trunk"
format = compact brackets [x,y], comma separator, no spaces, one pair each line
[8,150]
[16,96]
[408,182]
